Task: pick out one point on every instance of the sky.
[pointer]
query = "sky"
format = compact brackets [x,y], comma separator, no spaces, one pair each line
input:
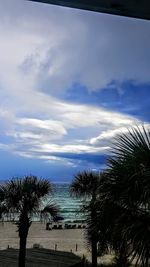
[70,81]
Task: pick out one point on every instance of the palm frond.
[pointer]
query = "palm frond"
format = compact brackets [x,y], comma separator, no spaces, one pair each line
[84,184]
[26,193]
[125,193]
[51,209]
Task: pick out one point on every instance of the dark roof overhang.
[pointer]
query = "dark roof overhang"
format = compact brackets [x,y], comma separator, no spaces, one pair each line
[130,8]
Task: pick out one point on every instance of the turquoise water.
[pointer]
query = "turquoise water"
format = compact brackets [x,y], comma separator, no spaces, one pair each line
[69,206]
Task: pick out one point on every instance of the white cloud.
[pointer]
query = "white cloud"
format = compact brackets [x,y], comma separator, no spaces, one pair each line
[110,134]
[54,129]
[4,146]
[54,148]
[34,137]
[86,116]
[82,119]
[49,48]
[44,50]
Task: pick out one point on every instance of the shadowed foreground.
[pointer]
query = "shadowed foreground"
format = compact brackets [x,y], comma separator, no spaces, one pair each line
[39,258]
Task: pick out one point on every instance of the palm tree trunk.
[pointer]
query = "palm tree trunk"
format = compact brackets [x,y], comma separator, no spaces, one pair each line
[94,252]
[22,251]
[23,228]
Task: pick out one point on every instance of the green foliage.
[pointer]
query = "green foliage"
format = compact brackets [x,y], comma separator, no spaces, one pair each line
[85,184]
[25,195]
[51,209]
[125,194]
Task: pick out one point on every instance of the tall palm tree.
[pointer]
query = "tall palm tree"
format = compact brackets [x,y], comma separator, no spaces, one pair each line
[85,185]
[25,195]
[127,189]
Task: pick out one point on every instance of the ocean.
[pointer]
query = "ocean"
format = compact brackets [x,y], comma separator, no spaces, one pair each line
[70,207]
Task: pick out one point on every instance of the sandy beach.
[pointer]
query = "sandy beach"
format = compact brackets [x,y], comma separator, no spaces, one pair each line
[65,239]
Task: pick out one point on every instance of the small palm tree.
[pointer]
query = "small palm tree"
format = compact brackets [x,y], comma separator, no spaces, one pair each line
[85,185]
[25,195]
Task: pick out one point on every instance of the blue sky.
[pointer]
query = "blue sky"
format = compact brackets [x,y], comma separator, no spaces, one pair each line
[70,81]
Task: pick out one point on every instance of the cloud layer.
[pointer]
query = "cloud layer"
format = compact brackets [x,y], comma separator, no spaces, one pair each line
[45,51]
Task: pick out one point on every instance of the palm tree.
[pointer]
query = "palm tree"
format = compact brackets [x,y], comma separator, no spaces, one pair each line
[127,189]
[85,185]
[25,195]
